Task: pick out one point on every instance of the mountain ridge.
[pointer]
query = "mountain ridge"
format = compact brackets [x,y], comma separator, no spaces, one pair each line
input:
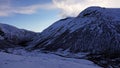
[11,36]
[93,30]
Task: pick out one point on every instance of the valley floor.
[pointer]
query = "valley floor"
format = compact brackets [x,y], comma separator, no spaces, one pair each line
[42,61]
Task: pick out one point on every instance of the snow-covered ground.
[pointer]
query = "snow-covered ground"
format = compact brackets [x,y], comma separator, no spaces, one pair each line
[42,61]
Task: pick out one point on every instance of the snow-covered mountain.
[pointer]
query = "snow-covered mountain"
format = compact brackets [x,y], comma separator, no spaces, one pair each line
[95,30]
[11,36]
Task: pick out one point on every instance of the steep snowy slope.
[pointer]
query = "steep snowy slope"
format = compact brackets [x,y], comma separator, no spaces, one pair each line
[10,35]
[95,30]
[50,34]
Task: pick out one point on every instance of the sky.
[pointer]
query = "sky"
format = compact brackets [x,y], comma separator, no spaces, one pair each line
[37,15]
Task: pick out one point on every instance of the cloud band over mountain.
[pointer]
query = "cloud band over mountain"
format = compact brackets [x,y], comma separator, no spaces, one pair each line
[66,7]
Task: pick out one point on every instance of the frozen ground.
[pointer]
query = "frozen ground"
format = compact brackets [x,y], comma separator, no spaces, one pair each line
[42,61]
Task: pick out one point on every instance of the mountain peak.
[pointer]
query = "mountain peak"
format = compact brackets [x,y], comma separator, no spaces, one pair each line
[91,12]
[101,12]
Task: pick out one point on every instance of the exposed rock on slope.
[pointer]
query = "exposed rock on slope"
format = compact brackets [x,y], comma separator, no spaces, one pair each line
[95,30]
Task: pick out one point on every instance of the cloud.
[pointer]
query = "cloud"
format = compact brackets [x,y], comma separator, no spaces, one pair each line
[74,7]
[6,8]
[66,7]
[33,8]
